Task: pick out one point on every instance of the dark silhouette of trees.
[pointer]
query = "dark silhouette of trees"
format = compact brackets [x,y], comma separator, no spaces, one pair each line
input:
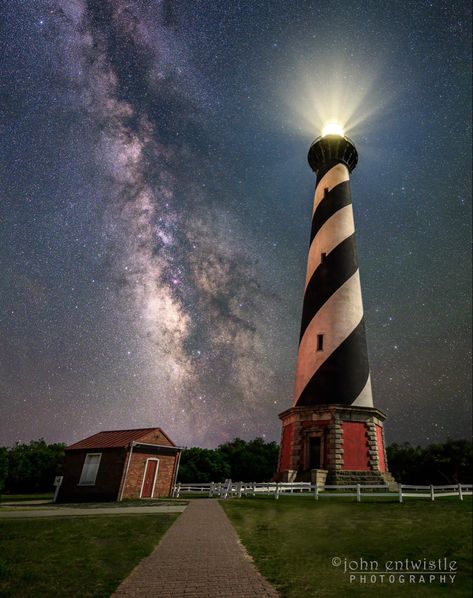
[202,465]
[253,461]
[441,464]
[3,468]
[30,467]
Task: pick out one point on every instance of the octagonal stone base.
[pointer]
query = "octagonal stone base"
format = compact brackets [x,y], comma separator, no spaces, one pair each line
[346,442]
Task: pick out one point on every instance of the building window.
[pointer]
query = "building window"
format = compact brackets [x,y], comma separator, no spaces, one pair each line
[90,469]
[323,257]
[320,342]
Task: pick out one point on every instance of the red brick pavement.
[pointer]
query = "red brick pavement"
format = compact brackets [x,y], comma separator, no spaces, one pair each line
[200,556]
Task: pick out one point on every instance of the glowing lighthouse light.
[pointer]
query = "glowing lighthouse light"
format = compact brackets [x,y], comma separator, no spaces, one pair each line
[333,128]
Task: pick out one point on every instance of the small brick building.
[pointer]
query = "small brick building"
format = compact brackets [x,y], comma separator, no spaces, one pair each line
[120,464]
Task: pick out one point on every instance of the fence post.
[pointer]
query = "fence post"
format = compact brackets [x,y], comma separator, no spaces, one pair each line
[211,489]
[254,488]
[178,490]
[432,496]
[238,488]
[316,492]
[227,488]
[400,492]
[276,494]
[460,493]
[358,493]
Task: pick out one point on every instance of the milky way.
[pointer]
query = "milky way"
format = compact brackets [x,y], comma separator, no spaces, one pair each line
[157,206]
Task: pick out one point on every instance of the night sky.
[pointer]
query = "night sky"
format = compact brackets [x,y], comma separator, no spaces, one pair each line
[156,207]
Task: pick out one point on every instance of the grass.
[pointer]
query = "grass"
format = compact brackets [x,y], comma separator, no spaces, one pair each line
[18,499]
[84,556]
[22,497]
[293,541]
[147,502]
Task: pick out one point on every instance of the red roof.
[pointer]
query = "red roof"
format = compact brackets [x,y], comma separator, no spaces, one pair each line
[114,438]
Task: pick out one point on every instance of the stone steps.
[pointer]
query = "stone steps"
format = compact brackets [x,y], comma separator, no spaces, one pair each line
[340,478]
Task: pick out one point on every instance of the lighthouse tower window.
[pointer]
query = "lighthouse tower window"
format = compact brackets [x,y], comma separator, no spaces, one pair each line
[320,342]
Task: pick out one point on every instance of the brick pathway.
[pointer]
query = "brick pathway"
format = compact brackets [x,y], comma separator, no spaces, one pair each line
[200,556]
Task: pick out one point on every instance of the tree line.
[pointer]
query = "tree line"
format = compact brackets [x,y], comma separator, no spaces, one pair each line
[253,461]
[29,468]
[439,464]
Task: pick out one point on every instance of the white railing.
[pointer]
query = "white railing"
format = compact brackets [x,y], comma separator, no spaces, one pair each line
[229,489]
[433,492]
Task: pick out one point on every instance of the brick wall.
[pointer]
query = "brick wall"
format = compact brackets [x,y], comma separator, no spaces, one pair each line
[285,461]
[156,437]
[136,472]
[355,446]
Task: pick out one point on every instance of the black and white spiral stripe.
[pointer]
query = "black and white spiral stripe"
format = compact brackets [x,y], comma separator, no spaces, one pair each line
[339,372]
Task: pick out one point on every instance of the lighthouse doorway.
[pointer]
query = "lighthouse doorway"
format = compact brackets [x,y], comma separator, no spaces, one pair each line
[315,452]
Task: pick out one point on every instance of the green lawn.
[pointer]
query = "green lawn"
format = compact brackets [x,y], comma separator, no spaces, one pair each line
[69,557]
[21,497]
[132,502]
[143,502]
[293,541]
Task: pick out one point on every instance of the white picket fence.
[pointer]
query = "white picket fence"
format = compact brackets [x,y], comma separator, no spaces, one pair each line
[229,489]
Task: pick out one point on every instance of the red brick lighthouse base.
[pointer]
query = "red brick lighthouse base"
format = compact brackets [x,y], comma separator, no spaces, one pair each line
[333,444]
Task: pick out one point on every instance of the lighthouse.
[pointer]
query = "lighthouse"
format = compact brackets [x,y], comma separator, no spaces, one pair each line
[332,433]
